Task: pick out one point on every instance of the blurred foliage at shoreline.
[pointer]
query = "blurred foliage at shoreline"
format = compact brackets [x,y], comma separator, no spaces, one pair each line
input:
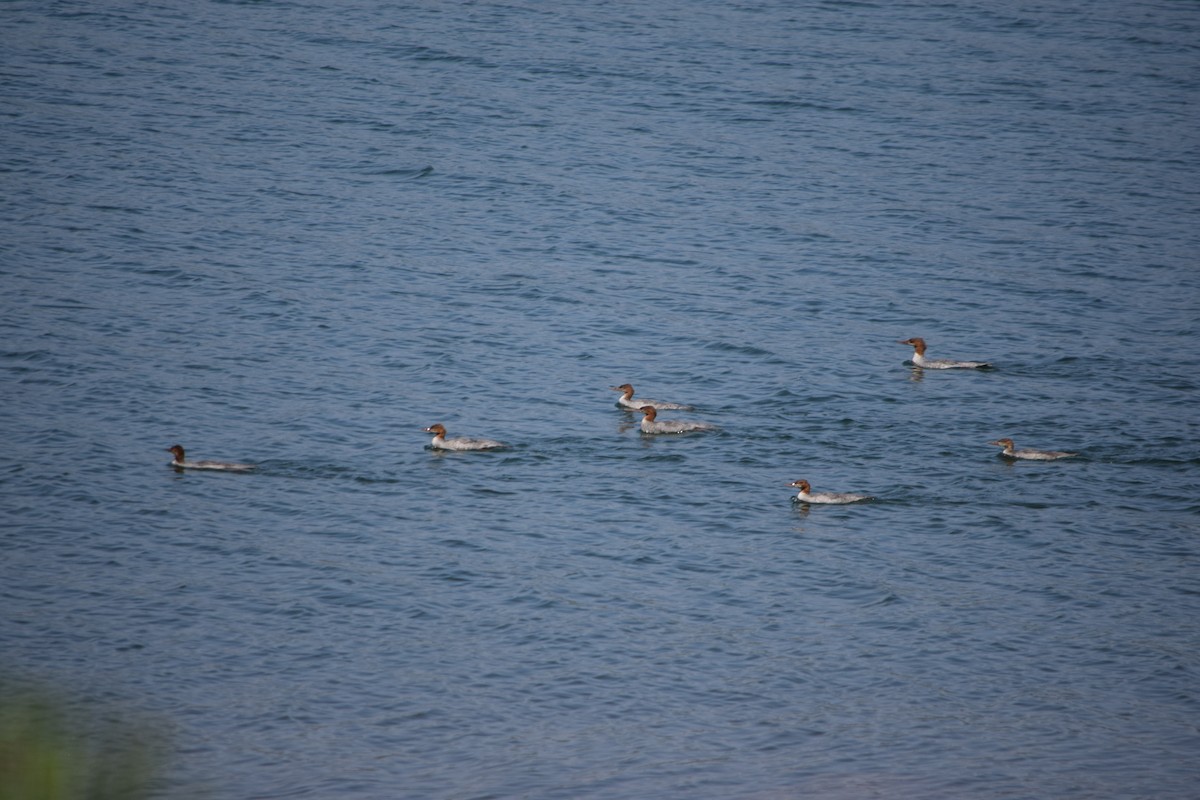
[52,749]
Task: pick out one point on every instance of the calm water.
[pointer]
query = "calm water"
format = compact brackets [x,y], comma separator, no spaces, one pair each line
[296,233]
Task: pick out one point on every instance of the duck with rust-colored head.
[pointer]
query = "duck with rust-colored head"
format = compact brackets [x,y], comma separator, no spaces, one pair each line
[627,402]
[918,346]
[442,442]
[807,495]
[180,462]
[1010,451]
[650,423]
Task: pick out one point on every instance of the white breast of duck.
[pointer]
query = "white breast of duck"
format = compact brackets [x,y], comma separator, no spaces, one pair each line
[1030,455]
[180,462]
[627,402]
[918,358]
[441,442]
[650,424]
[807,495]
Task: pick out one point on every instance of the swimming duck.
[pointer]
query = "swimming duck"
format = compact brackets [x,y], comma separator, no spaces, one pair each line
[440,442]
[1032,455]
[807,495]
[180,462]
[918,345]
[651,425]
[627,402]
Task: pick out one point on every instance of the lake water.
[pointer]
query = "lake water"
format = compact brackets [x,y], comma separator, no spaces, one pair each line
[297,233]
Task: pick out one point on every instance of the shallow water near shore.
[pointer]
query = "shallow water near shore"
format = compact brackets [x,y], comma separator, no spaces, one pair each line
[296,234]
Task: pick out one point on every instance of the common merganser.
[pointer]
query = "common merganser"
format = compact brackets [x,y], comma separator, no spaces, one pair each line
[807,495]
[627,402]
[440,442]
[180,462]
[1032,455]
[649,425]
[918,345]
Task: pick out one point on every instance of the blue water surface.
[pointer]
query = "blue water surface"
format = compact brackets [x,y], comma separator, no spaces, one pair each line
[296,233]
